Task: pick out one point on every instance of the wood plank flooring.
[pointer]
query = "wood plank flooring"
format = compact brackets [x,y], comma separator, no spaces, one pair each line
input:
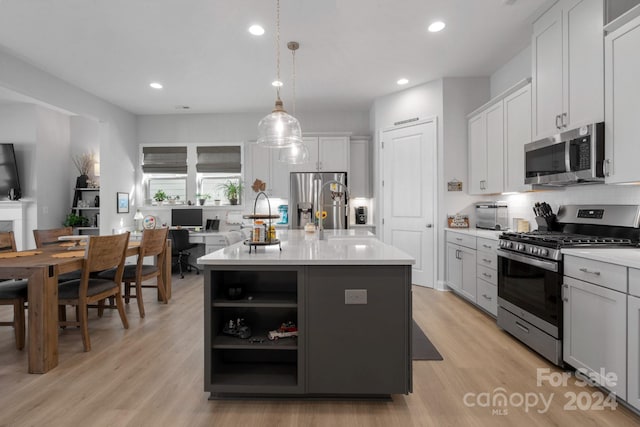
[152,375]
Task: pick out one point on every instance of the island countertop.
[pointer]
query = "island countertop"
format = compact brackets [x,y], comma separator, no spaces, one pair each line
[339,247]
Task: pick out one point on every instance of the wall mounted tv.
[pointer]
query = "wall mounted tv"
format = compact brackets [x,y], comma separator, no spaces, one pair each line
[9,180]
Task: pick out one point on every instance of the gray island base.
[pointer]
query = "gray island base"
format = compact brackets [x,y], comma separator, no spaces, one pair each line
[352,312]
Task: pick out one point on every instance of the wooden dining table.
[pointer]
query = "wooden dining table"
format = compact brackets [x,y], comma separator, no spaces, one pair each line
[42,267]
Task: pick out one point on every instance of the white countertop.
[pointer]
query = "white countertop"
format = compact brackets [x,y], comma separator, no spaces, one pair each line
[478,232]
[627,257]
[340,247]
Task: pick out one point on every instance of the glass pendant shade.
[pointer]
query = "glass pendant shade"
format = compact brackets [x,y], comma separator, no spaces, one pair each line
[294,154]
[279,129]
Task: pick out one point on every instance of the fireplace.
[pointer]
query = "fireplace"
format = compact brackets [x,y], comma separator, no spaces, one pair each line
[13,218]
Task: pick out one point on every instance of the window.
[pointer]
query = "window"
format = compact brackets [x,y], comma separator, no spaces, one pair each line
[165,168]
[211,184]
[174,187]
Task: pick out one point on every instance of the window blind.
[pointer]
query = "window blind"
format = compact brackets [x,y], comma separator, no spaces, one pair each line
[224,158]
[164,159]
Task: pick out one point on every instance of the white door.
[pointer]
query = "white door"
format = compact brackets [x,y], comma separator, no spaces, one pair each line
[408,195]
[477,154]
[517,133]
[333,154]
[494,182]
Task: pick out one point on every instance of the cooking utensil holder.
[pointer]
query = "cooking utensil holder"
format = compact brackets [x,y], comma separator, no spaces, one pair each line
[547,223]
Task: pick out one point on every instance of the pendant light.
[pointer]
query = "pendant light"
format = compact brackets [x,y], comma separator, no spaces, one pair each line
[296,153]
[278,129]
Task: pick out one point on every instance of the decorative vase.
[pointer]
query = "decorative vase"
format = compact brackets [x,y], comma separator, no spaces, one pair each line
[82,181]
[202,201]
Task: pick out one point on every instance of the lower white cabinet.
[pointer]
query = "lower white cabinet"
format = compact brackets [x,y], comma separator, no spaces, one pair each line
[633,351]
[461,270]
[595,332]
[487,296]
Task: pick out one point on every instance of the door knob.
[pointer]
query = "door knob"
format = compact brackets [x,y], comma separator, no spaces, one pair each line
[429,225]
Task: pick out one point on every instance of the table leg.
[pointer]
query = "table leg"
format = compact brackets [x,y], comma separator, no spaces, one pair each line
[43,320]
[166,271]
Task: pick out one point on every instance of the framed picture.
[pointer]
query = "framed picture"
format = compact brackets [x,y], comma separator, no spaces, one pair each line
[123,202]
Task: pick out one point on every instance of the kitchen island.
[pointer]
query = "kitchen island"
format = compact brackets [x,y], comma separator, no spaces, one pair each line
[349,296]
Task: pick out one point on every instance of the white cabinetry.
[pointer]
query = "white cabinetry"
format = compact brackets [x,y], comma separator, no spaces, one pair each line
[633,351]
[567,47]
[622,68]
[461,264]
[264,165]
[326,154]
[486,151]
[595,325]
[487,278]
[359,179]
[517,133]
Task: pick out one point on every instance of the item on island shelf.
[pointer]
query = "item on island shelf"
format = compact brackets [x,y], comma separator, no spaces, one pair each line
[271,234]
[234,292]
[286,330]
[458,221]
[237,329]
[149,222]
[310,227]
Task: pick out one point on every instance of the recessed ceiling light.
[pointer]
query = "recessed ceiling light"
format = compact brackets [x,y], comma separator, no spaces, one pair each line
[155,85]
[256,30]
[437,26]
[402,82]
[276,83]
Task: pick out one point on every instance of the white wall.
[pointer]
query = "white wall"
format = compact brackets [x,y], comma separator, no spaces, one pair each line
[518,68]
[118,147]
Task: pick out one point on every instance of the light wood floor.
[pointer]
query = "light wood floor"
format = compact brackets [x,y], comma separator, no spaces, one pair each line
[152,375]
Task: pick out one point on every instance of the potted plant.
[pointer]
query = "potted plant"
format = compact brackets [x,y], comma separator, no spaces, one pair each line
[232,190]
[202,198]
[160,196]
[74,220]
[84,163]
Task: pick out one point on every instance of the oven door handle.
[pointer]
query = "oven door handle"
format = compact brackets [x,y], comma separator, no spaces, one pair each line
[545,265]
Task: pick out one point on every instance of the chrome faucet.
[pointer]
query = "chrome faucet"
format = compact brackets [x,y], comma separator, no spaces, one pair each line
[319,202]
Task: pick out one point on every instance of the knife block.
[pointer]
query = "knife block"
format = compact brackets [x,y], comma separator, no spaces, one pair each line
[547,223]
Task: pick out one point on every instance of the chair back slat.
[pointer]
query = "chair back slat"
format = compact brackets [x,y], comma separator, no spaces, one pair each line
[48,237]
[153,241]
[105,252]
[7,242]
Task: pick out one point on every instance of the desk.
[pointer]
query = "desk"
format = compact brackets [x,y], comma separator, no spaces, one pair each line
[42,270]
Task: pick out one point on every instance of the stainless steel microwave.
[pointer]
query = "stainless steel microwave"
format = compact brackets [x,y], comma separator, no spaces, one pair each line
[572,157]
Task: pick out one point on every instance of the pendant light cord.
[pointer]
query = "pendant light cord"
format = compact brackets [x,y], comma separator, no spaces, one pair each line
[278,48]
[293,53]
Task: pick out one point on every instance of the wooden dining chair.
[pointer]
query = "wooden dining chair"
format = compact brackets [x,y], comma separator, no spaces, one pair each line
[50,236]
[154,243]
[13,292]
[102,253]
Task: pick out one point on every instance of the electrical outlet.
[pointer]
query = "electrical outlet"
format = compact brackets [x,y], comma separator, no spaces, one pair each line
[355,296]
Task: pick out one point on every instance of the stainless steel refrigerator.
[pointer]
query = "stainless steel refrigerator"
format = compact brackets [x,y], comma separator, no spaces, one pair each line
[303,188]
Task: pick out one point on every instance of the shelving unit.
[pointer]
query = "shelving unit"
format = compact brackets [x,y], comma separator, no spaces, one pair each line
[90,212]
[270,296]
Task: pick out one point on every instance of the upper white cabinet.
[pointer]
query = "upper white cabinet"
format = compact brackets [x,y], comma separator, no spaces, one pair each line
[326,154]
[622,68]
[567,74]
[517,133]
[486,151]
[264,165]
[359,179]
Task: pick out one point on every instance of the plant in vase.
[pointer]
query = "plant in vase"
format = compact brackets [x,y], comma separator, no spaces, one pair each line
[202,198]
[232,190]
[73,220]
[160,196]
[84,163]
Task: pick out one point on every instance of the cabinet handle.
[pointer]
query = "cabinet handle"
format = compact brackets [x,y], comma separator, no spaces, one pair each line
[487,297]
[486,246]
[605,167]
[564,298]
[558,123]
[564,123]
[488,261]
[459,239]
[458,255]
[524,328]
[487,275]
[584,270]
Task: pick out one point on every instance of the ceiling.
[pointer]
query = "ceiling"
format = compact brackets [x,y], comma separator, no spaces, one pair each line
[351,51]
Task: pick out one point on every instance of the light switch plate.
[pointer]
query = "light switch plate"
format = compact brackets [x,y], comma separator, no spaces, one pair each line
[355,296]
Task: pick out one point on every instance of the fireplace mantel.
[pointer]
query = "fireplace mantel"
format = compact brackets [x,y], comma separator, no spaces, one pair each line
[15,212]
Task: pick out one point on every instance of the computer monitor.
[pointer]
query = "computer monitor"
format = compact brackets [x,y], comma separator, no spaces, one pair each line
[186,217]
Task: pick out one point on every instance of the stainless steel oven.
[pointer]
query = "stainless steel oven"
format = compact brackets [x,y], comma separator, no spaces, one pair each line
[570,157]
[529,300]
